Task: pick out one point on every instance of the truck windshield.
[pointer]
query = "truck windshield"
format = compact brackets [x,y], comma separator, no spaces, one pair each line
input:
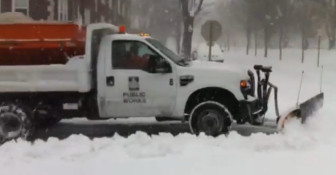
[167,52]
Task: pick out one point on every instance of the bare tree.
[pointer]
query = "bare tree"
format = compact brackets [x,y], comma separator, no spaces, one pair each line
[284,12]
[307,17]
[190,9]
[160,18]
[259,16]
[228,21]
[250,23]
[330,22]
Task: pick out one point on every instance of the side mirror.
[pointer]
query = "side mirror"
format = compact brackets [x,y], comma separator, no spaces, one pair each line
[158,65]
[163,67]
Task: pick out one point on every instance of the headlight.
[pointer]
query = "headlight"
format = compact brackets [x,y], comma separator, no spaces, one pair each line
[247,87]
[244,83]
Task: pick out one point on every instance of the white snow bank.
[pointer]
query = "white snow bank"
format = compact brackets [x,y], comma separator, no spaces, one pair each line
[17,17]
[308,149]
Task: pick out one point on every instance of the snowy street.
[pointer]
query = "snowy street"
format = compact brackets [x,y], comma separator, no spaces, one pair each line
[127,127]
[308,149]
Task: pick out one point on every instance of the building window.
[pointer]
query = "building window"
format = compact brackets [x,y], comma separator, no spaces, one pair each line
[21,6]
[63,10]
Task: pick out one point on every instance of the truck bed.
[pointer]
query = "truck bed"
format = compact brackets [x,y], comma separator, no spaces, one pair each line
[70,77]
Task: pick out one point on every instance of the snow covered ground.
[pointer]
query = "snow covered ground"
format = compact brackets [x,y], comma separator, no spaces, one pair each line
[308,149]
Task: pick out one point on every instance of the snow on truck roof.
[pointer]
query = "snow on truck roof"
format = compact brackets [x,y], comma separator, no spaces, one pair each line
[14,17]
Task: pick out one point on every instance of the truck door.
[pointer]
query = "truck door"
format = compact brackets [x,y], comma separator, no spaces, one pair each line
[136,86]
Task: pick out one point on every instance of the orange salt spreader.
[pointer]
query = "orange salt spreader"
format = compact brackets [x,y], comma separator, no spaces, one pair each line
[40,43]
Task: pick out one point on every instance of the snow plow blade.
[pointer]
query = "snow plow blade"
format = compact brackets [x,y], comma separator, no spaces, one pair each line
[303,111]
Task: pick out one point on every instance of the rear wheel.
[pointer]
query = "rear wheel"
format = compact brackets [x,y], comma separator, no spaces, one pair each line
[15,122]
[211,118]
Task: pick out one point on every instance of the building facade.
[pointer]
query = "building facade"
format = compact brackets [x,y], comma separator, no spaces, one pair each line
[89,11]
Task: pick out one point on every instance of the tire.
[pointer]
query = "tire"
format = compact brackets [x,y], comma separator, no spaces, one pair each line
[15,122]
[211,118]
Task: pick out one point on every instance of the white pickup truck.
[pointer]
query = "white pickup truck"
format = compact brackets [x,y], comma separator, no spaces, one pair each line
[126,75]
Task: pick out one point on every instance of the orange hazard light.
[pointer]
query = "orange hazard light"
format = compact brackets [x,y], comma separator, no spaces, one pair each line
[243,84]
[122,29]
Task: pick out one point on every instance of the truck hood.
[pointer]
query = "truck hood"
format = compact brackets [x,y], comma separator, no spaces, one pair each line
[213,74]
[215,69]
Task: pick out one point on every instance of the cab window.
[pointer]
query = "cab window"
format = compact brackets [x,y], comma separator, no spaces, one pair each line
[130,55]
[135,55]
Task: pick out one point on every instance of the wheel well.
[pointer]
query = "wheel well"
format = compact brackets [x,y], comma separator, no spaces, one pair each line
[220,95]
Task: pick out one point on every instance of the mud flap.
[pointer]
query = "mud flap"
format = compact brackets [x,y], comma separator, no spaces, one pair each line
[303,111]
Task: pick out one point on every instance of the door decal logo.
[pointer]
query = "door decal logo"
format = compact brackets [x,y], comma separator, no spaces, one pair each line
[134,96]
[133,83]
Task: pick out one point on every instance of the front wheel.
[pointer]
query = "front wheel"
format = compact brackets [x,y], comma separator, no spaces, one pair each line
[211,118]
[15,122]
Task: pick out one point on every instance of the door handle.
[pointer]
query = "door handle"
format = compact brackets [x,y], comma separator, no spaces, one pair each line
[171,82]
[110,81]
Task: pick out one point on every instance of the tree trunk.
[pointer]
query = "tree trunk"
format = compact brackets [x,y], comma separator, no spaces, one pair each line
[318,51]
[187,36]
[303,44]
[228,41]
[332,42]
[280,43]
[178,37]
[266,40]
[248,38]
[255,43]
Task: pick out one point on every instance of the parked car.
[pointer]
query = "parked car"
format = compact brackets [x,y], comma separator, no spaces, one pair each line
[202,53]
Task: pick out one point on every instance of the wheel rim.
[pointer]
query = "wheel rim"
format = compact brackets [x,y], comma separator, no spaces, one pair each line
[10,126]
[210,122]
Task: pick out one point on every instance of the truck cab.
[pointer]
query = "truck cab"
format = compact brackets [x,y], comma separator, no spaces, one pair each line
[138,76]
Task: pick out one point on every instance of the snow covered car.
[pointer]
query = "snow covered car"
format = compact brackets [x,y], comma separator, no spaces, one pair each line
[202,53]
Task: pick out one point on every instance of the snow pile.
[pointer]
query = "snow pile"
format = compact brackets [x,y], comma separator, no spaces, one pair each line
[308,149]
[14,17]
[302,150]
[17,17]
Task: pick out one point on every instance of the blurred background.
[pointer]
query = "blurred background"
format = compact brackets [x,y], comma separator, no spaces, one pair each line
[248,24]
